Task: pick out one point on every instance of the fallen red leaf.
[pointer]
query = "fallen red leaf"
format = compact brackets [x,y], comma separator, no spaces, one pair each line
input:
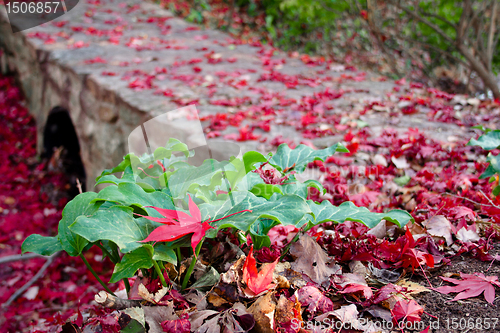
[256,281]
[471,285]
[408,311]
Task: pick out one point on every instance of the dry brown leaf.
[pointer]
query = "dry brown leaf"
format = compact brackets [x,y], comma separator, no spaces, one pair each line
[230,292]
[263,311]
[349,278]
[358,268]
[197,298]
[383,276]
[171,271]
[281,282]
[413,288]
[465,235]
[415,229]
[225,320]
[285,310]
[379,231]
[198,317]
[346,314]
[312,260]
[235,272]
[283,271]
[439,226]
[379,312]
[146,295]
[155,315]
[216,300]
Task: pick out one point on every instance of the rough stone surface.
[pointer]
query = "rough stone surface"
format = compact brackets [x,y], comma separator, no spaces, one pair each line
[52,64]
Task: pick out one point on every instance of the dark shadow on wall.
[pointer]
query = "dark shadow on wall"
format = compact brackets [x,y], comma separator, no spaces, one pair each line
[61,147]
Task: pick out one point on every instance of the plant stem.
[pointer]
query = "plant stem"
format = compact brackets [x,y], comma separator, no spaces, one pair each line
[95,275]
[191,266]
[287,247]
[179,255]
[114,248]
[160,274]
[161,266]
[106,253]
[127,285]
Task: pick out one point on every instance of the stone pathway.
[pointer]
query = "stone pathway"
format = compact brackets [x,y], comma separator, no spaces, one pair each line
[116,64]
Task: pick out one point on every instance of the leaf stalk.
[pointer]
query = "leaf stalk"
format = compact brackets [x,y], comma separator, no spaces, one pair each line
[95,275]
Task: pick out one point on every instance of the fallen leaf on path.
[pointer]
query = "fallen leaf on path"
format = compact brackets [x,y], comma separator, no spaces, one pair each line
[412,288]
[471,285]
[407,310]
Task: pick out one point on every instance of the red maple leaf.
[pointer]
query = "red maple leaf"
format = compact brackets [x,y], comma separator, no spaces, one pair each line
[256,281]
[358,288]
[462,211]
[176,326]
[179,224]
[471,285]
[407,310]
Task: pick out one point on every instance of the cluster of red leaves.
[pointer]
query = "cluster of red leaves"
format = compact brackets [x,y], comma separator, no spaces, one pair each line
[31,201]
[445,182]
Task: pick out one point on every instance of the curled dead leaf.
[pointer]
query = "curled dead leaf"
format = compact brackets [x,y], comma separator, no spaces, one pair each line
[312,260]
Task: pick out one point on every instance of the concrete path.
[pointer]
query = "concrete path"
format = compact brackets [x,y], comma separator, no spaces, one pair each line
[115,64]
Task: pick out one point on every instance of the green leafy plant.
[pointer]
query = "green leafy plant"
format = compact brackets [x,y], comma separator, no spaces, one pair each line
[488,141]
[161,205]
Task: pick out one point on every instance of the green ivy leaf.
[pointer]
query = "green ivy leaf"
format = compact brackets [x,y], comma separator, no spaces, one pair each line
[250,158]
[190,177]
[493,168]
[288,209]
[162,153]
[259,231]
[250,180]
[45,246]
[265,190]
[82,204]
[301,156]
[293,186]
[165,252]
[127,177]
[129,194]
[325,212]
[488,141]
[131,262]
[403,180]
[119,168]
[496,190]
[116,224]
